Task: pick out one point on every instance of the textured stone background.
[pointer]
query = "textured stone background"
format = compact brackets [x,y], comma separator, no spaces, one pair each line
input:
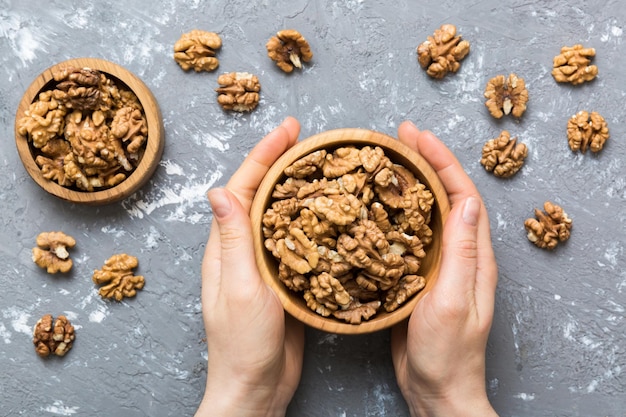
[557,345]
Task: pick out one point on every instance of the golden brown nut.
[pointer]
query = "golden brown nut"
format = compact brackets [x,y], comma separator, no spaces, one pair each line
[196,49]
[117,274]
[43,121]
[503,156]
[53,337]
[51,252]
[586,130]
[289,49]
[442,53]
[506,96]
[572,65]
[79,89]
[238,91]
[549,228]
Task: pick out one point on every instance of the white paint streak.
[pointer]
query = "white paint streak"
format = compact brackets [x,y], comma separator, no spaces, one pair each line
[60,409]
[23,42]
[5,334]
[99,314]
[524,396]
[172,168]
[182,198]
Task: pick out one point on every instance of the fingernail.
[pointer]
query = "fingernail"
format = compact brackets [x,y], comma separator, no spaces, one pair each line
[471,211]
[220,203]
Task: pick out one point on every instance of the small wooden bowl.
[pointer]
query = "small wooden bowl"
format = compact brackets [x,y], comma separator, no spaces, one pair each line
[153,146]
[399,153]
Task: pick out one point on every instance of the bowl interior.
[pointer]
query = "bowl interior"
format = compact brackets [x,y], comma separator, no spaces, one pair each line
[153,147]
[399,153]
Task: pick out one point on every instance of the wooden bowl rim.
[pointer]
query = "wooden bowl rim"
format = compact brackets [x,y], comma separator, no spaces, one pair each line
[332,139]
[153,148]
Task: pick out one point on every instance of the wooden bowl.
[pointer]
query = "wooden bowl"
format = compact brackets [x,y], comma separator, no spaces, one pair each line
[399,153]
[153,146]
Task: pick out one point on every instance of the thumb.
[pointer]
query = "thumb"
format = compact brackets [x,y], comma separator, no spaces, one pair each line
[460,249]
[235,238]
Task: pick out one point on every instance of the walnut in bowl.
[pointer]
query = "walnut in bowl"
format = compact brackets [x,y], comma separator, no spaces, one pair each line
[89,131]
[347,230]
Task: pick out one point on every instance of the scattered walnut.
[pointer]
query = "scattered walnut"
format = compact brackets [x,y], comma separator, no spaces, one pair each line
[442,53]
[288,49]
[572,65]
[53,337]
[549,228]
[196,49]
[51,252]
[349,228]
[87,131]
[239,91]
[503,156]
[586,130]
[117,274]
[506,96]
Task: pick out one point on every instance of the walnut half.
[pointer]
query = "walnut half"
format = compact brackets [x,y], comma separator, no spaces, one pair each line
[506,96]
[549,228]
[289,49]
[117,274]
[586,130]
[238,91]
[503,156]
[52,253]
[53,337]
[196,50]
[442,53]
[572,65]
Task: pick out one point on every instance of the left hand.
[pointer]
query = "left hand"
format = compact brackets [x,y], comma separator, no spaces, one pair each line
[255,350]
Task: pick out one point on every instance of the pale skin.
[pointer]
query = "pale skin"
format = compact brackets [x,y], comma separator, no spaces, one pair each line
[255,350]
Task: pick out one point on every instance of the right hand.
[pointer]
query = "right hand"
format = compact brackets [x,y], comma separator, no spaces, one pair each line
[439,355]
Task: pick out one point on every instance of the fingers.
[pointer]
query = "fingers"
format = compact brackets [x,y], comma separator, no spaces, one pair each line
[460,251]
[458,185]
[230,257]
[246,180]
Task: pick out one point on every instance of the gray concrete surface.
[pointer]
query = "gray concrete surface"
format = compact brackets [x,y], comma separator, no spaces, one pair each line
[557,347]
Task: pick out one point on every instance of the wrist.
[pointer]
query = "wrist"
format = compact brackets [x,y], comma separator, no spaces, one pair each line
[425,406]
[227,399]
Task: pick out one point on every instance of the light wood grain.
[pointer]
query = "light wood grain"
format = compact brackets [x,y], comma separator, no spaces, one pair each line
[153,147]
[399,153]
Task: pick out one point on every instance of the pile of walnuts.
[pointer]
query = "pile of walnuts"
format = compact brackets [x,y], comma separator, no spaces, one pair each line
[349,228]
[88,131]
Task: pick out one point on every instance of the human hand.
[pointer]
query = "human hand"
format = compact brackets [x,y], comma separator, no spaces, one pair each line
[439,355]
[255,350]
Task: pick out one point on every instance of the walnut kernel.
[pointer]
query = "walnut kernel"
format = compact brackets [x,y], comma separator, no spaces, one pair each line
[503,156]
[586,130]
[289,49]
[442,53]
[117,274]
[51,252]
[53,337]
[506,96]
[348,228]
[572,65]
[196,49]
[549,228]
[238,91]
